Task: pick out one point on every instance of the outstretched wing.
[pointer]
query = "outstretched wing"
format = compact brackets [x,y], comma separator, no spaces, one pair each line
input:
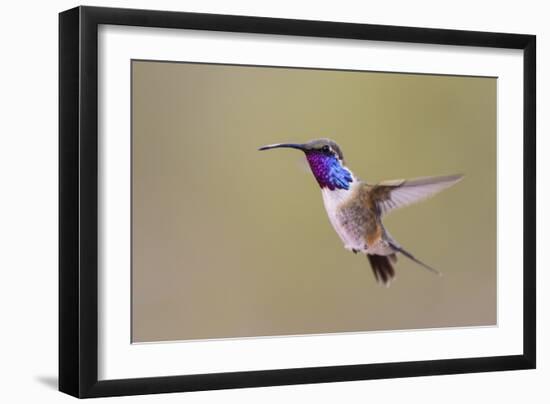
[390,195]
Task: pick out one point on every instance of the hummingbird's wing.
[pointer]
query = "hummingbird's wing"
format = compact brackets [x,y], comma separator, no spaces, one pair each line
[390,195]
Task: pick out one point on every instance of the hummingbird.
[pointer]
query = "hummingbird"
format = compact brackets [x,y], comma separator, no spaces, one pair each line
[355,208]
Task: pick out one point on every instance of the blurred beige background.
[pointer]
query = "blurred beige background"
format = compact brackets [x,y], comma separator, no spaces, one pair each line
[232,242]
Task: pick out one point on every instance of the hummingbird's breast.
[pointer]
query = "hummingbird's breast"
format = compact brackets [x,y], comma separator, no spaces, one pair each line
[351,220]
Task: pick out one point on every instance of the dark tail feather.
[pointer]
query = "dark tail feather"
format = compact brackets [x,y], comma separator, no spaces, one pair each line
[413,258]
[382,267]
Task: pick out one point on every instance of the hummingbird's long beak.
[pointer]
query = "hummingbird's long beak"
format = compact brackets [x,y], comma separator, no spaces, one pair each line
[287,145]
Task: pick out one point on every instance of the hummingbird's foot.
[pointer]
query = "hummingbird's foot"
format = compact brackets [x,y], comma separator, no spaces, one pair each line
[354,250]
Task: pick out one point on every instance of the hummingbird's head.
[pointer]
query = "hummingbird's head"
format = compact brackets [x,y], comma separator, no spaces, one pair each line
[326,161]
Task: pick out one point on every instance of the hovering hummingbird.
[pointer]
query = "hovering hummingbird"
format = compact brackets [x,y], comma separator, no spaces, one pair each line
[355,208]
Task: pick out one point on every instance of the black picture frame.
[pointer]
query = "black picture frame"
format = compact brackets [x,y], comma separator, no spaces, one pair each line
[78,201]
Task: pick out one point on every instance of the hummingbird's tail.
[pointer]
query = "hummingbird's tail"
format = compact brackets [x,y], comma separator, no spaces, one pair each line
[382,267]
[382,264]
[413,258]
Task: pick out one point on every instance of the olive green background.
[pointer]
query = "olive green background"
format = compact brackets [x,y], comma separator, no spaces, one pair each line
[232,242]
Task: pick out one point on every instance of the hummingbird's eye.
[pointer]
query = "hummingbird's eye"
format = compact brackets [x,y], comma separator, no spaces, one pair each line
[326,149]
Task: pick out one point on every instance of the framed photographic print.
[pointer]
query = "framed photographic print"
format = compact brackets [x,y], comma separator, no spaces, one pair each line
[250,201]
